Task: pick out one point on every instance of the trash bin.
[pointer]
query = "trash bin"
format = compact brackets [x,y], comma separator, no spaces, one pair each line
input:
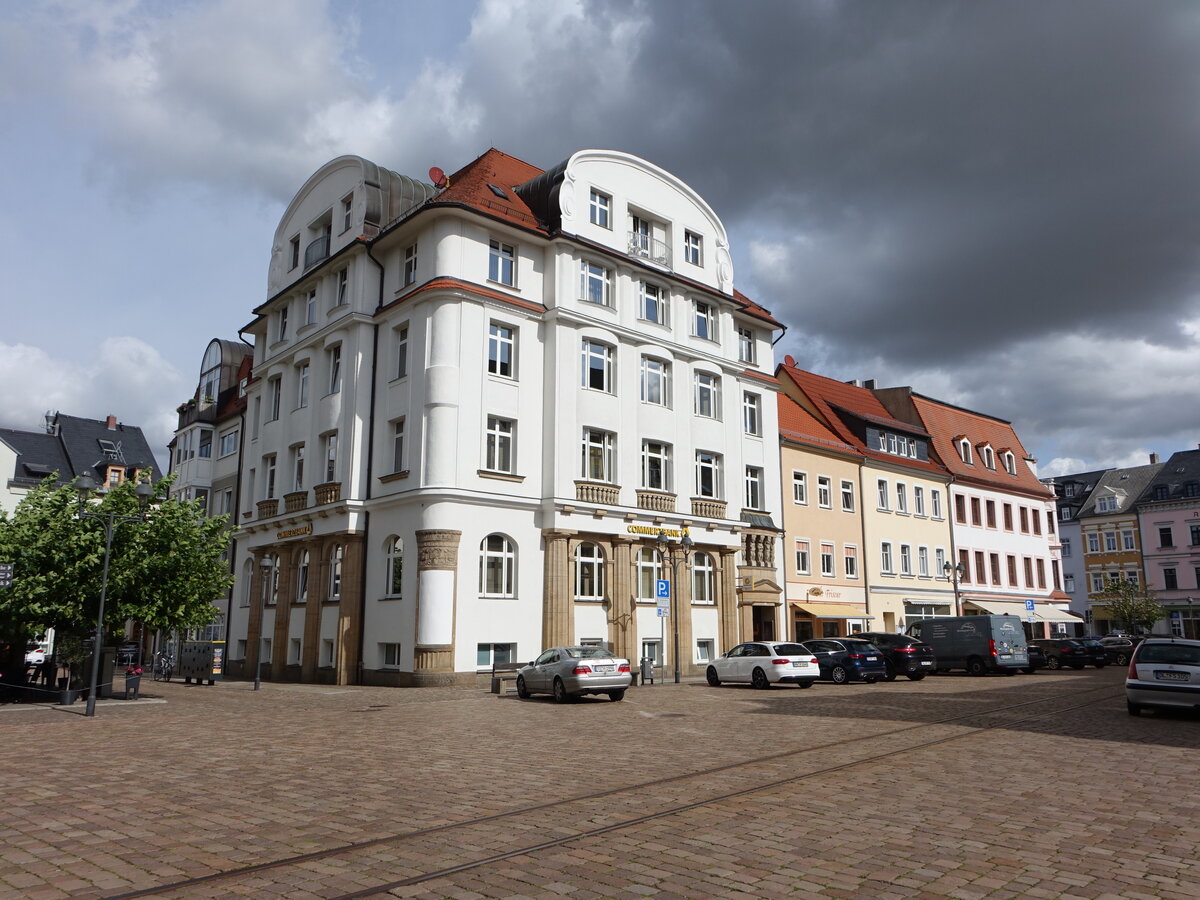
[647,669]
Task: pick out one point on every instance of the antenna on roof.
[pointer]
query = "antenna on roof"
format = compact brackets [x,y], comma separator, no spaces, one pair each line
[438,177]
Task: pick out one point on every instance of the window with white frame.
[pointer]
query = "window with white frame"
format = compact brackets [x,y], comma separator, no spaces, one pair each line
[487,655]
[655,381]
[918,500]
[596,371]
[595,283]
[935,500]
[882,487]
[939,563]
[310,307]
[656,465]
[274,398]
[705,647]
[502,263]
[410,265]
[1093,542]
[885,558]
[746,345]
[389,653]
[341,294]
[847,496]
[227,443]
[708,474]
[1069,583]
[497,566]
[649,569]
[329,452]
[302,577]
[336,557]
[964,452]
[294,243]
[393,583]
[802,556]
[1106,504]
[1127,542]
[302,386]
[600,209]
[987,456]
[1010,463]
[333,362]
[652,303]
[850,560]
[707,395]
[501,350]
[800,487]
[704,320]
[401,340]
[693,248]
[905,559]
[923,562]
[1097,583]
[824,492]
[298,467]
[827,563]
[1110,541]
[589,572]
[599,455]
[704,579]
[281,324]
[269,469]
[901,497]
[499,451]
[347,211]
[398,445]
[754,487]
[752,413]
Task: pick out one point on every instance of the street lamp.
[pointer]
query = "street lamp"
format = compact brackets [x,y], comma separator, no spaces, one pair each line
[955,572]
[267,565]
[668,552]
[85,484]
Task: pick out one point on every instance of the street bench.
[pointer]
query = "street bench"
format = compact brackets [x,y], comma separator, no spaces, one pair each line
[502,672]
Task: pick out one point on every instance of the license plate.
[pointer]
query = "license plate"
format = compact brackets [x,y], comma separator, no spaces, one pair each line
[926,662]
[800,662]
[872,658]
[605,668]
[1006,656]
[1172,676]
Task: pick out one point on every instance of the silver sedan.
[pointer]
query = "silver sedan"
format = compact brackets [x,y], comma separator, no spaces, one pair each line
[568,672]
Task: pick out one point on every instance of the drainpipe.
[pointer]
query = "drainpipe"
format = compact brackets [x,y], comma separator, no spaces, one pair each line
[953,550]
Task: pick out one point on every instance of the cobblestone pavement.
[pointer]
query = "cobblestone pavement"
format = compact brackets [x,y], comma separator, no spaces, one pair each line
[952,787]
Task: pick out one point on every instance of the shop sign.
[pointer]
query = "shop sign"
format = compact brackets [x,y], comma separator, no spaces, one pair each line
[299,531]
[653,531]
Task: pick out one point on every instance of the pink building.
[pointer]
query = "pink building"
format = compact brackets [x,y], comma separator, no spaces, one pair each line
[1169,521]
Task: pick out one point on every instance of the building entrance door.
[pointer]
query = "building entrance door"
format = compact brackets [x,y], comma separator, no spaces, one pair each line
[804,631]
[763,623]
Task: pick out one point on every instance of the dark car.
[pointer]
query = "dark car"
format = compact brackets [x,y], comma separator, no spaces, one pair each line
[1037,659]
[902,655]
[847,659]
[1064,652]
[1100,654]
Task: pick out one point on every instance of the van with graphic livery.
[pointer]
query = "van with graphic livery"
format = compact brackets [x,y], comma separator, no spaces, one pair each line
[977,644]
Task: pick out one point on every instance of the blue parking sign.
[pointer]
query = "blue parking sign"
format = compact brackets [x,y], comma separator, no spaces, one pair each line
[1029,605]
[662,588]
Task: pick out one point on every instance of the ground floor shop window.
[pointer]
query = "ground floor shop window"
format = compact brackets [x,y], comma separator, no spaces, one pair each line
[831,629]
[704,651]
[487,655]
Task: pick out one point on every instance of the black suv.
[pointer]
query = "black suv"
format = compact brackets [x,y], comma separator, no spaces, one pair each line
[1064,652]
[902,654]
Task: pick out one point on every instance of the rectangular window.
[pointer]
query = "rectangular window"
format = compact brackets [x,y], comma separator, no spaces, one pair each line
[1041,573]
[390,654]
[281,324]
[994,560]
[310,308]
[752,413]
[882,490]
[342,297]
[802,561]
[499,452]
[600,210]
[596,371]
[599,455]
[487,655]
[976,514]
[847,496]
[939,562]
[410,265]
[1093,541]
[347,211]
[294,652]
[850,560]
[398,445]
[1024,516]
[827,568]
[1166,537]
[501,350]
[704,650]
[1036,517]
[295,245]
[935,498]
[707,395]
[745,345]
[502,263]
[275,393]
[800,487]
[964,560]
[1110,541]
[652,304]
[330,454]
[401,336]
[905,559]
[1127,541]
[1069,583]
[1028,572]
[1097,583]
[824,492]
[594,283]
[901,498]
[1132,577]
[918,500]
[269,477]
[298,467]
[1008,517]
[302,386]
[656,466]
[754,487]
[655,381]
[693,248]
[1066,548]
[708,474]
[923,562]
[205,448]
[334,361]
[990,510]
[704,324]
[885,558]
[960,509]
[1195,536]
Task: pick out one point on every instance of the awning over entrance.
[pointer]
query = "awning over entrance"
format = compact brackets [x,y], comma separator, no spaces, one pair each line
[1050,614]
[833,610]
[1041,612]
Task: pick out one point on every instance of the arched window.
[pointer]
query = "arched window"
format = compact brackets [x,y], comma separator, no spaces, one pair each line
[497,562]
[649,571]
[335,573]
[703,579]
[589,572]
[394,576]
[302,578]
[210,373]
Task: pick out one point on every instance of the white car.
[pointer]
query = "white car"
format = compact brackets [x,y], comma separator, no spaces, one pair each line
[34,655]
[764,663]
[1164,672]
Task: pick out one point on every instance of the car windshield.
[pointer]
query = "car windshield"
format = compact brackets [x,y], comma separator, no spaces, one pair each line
[588,652]
[791,650]
[861,647]
[1178,654]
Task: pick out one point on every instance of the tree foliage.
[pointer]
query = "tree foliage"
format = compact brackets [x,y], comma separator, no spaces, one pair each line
[1133,605]
[165,567]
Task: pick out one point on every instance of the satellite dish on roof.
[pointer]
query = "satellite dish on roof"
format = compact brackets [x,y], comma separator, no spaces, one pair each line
[438,177]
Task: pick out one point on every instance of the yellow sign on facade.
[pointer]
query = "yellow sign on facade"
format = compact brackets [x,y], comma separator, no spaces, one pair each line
[294,532]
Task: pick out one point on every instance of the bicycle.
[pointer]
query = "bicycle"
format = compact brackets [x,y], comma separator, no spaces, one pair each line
[164,667]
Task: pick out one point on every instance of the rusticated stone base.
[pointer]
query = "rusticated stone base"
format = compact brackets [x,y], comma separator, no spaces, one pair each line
[433,660]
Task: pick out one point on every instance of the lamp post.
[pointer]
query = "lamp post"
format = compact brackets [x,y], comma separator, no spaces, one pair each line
[674,555]
[85,484]
[955,572]
[267,565]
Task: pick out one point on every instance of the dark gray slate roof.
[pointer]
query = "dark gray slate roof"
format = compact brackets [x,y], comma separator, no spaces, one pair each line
[76,449]
[1126,484]
[1178,479]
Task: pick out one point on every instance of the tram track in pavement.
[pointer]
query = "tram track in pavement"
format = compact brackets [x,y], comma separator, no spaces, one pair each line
[431,857]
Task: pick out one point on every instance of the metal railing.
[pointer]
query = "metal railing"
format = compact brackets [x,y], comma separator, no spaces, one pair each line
[645,247]
[316,251]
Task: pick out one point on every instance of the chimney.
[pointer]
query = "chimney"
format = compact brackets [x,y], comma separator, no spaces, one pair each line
[111,422]
[869,384]
[1153,459]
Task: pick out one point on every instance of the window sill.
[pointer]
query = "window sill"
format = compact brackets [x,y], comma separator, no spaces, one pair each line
[500,476]
[503,284]
[394,476]
[390,599]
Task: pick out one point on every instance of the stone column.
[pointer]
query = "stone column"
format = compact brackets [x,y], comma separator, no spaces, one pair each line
[728,601]
[437,565]
[258,588]
[683,606]
[346,640]
[558,626]
[622,619]
[283,610]
[318,591]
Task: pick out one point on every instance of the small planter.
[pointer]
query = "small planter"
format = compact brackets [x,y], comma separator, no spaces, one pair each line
[133,682]
[67,696]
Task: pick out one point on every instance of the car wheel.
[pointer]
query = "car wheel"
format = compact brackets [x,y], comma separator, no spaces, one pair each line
[916,676]
[839,675]
[889,673]
[560,692]
[1122,659]
[522,690]
[1053,663]
[1135,709]
[805,683]
[614,696]
[759,680]
[712,677]
[975,666]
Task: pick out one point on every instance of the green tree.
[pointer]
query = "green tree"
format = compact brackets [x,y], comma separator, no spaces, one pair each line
[165,569]
[1133,605]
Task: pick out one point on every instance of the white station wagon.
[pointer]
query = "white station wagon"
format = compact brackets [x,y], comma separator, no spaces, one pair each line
[764,663]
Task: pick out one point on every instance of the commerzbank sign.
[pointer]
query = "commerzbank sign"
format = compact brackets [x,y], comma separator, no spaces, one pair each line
[655,532]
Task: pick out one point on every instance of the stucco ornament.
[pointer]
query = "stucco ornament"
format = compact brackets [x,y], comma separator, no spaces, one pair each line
[275,269]
[566,196]
[724,267]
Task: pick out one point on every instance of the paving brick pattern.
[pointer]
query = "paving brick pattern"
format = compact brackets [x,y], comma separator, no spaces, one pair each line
[863,799]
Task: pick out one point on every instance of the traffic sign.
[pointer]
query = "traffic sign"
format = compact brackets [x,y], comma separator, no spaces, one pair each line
[1029,605]
[6,573]
[664,612]
[662,589]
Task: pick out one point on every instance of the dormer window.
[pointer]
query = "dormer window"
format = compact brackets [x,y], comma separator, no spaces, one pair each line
[1068,488]
[648,240]
[1161,492]
[1010,466]
[1106,504]
[964,451]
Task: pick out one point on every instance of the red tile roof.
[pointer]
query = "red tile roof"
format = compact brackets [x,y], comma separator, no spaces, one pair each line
[797,424]
[469,186]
